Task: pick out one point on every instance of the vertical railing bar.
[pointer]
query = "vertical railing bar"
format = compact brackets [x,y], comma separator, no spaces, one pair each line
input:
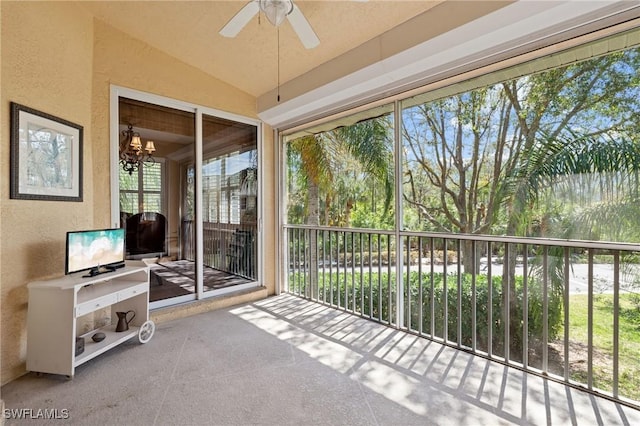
[379,280]
[345,244]
[347,295]
[246,258]
[348,269]
[324,266]
[337,247]
[474,310]
[307,266]
[318,251]
[545,310]
[389,300]
[567,264]
[398,318]
[370,276]
[314,272]
[298,269]
[292,259]
[590,321]
[432,282]
[489,300]
[506,290]
[420,289]
[222,241]
[525,306]
[338,294]
[331,268]
[243,262]
[353,273]
[407,287]
[336,290]
[342,252]
[296,264]
[616,321]
[315,285]
[300,263]
[459,282]
[312,256]
[288,263]
[303,262]
[361,276]
[445,292]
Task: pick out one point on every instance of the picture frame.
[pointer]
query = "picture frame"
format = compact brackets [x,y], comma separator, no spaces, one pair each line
[46,156]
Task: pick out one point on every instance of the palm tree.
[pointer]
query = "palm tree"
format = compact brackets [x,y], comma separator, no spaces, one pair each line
[605,165]
[367,142]
[572,161]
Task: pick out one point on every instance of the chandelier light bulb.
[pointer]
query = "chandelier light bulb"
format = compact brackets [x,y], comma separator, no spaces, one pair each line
[150,147]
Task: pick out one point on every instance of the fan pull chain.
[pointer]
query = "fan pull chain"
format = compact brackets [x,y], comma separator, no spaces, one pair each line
[278,71]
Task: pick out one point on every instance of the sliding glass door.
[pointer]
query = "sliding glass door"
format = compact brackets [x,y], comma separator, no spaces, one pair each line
[190,206]
[229,203]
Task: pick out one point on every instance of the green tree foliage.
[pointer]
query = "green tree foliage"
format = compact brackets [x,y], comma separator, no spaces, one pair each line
[463,152]
[333,173]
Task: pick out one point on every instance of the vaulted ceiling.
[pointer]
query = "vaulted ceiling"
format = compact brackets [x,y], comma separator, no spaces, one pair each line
[366,46]
[188,31]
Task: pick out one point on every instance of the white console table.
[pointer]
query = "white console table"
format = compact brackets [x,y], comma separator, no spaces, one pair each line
[55,306]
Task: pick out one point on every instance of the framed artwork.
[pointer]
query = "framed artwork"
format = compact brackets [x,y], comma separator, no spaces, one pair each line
[46,156]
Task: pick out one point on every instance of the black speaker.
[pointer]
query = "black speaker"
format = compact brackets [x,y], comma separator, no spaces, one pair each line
[79,345]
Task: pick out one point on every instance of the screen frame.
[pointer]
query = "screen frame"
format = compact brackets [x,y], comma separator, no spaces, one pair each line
[97,266]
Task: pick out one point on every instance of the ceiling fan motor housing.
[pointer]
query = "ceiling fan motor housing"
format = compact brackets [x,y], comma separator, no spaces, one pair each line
[276,10]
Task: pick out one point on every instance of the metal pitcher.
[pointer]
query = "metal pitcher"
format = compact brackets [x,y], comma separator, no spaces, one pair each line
[123,323]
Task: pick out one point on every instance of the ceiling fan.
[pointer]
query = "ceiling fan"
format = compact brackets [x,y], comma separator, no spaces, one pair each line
[275,11]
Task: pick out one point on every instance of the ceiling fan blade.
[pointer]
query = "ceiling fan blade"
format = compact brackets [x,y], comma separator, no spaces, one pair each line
[302,27]
[242,18]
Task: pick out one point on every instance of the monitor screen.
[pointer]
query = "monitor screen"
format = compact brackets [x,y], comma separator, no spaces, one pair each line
[93,249]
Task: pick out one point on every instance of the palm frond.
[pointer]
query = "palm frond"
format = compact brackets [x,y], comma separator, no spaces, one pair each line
[572,154]
[370,144]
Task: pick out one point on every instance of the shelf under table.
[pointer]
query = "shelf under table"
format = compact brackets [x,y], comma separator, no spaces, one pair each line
[93,349]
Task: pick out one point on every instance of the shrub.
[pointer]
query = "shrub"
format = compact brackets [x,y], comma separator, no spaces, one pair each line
[375,296]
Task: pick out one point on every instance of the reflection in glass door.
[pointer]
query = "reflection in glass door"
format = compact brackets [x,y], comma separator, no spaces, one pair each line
[229,203]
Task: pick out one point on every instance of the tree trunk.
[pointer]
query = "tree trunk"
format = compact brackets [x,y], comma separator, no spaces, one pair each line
[468,263]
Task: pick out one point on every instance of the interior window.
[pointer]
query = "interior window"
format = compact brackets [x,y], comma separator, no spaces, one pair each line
[142,190]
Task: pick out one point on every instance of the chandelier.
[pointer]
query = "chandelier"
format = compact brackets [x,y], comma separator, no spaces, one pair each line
[131,154]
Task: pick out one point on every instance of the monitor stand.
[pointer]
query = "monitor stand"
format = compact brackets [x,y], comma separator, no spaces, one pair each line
[97,270]
[94,272]
[114,266]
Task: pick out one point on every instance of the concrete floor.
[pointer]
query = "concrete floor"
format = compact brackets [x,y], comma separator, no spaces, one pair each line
[284,360]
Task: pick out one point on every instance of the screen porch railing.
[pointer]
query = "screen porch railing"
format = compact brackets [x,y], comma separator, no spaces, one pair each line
[558,308]
[229,248]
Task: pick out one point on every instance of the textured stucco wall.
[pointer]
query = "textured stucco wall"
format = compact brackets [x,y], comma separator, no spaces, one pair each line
[58,59]
[47,52]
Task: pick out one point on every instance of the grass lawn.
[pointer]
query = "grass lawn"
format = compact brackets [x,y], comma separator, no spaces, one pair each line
[629,342]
